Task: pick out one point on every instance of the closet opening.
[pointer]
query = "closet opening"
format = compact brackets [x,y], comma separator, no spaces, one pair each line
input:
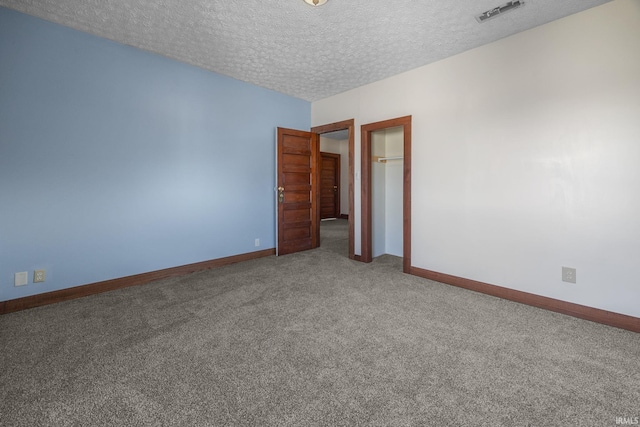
[387,153]
[386,190]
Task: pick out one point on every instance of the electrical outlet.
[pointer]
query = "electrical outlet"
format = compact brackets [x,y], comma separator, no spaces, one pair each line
[568,274]
[21,279]
[38,276]
[257,242]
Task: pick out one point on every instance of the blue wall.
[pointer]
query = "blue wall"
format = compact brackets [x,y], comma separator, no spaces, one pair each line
[115,161]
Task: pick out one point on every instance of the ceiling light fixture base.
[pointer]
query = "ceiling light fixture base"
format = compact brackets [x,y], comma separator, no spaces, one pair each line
[315,3]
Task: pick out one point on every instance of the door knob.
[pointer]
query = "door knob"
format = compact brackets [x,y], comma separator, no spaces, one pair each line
[280,194]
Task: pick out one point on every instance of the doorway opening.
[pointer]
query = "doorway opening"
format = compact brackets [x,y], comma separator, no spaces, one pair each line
[382,143]
[337,141]
[330,170]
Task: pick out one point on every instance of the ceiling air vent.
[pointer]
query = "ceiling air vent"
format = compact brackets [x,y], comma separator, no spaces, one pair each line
[492,13]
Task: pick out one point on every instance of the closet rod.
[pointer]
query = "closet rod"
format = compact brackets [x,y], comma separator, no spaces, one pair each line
[385,159]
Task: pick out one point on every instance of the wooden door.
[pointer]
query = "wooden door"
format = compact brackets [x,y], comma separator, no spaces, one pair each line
[297,190]
[329,185]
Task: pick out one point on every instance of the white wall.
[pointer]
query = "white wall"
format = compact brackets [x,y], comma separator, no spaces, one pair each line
[340,147]
[378,195]
[386,192]
[526,157]
[394,139]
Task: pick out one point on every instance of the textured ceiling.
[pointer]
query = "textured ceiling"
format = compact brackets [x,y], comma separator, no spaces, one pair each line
[288,46]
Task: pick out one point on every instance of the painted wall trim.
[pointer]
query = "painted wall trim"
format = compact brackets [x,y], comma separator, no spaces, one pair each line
[597,315]
[124,282]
